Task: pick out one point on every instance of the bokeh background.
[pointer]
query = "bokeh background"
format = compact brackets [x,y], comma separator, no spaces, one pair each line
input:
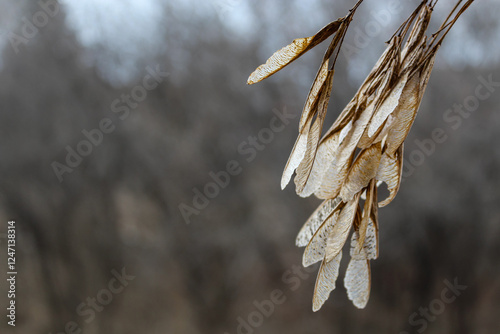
[118,209]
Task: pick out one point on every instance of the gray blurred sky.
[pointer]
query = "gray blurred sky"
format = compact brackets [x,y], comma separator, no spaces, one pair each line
[126,30]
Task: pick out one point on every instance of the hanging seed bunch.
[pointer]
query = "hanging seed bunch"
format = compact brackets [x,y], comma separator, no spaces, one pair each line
[361,150]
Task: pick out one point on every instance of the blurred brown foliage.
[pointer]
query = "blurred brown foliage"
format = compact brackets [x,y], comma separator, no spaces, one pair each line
[120,207]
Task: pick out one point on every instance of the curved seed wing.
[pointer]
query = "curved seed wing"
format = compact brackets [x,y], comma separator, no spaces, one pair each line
[325,282]
[387,107]
[315,220]
[338,234]
[357,282]
[306,165]
[315,250]
[390,171]
[292,51]
[298,152]
[404,115]
[362,171]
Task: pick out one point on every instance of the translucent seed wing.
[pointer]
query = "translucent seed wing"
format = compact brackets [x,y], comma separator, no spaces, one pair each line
[292,51]
[335,175]
[362,171]
[325,282]
[314,94]
[298,152]
[315,220]
[333,180]
[371,239]
[315,250]
[324,159]
[348,145]
[426,73]
[357,282]
[404,115]
[387,107]
[305,167]
[417,34]
[367,210]
[357,277]
[390,171]
[340,231]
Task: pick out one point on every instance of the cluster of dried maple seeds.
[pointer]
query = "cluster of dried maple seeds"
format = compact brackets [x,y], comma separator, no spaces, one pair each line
[374,123]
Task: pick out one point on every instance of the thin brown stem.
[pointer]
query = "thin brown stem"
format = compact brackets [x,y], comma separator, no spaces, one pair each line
[405,26]
[448,26]
[445,22]
[353,9]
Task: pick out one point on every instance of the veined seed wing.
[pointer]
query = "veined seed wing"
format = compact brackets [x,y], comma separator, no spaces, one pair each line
[325,282]
[292,51]
[362,171]
[305,167]
[390,171]
[404,115]
[357,279]
[340,231]
[315,250]
[315,220]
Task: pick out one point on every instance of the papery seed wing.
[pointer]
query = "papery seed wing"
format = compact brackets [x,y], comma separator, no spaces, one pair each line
[404,115]
[307,142]
[333,180]
[314,94]
[367,210]
[390,171]
[335,175]
[305,166]
[324,159]
[380,65]
[426,73]
[304,169]
[315,250]
[298,152]
[328,148]
[357,282]
[289,53]
[387,107]
[374,212]
[325,282]
[340,231]
[414,58]
[362,171]
[371,239]
[315,220]
[365,141]
[367,248]
[357,277]
[353,136]
[388,76]
[417,33]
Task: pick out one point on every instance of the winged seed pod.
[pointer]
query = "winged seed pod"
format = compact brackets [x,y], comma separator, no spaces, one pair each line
[362,149]
[314,112]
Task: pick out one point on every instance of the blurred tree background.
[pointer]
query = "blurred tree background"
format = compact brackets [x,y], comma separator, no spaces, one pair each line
[119,207]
